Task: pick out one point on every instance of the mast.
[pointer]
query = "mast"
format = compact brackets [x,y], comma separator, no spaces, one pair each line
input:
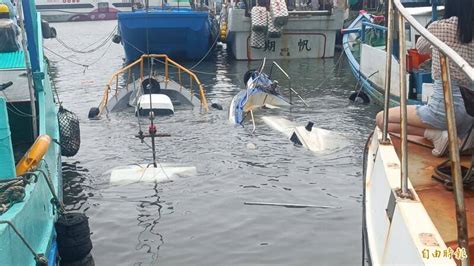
[29,23]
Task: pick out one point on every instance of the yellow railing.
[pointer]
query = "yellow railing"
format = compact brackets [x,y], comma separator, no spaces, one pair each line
[162,58]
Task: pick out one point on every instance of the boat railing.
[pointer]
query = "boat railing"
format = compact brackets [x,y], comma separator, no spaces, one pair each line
[291,91]
[398,13]
[114,85]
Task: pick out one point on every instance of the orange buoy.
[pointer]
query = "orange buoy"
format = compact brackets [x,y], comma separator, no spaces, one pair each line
[34,155]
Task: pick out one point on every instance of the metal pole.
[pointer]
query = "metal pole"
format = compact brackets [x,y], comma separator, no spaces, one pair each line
[29,74]
[403,107]
[388,69]
[463,240]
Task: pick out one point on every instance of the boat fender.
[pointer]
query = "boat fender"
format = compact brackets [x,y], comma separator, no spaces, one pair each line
[69,132]
[257,39]
[34,155]
[278,13]
[150,86]
[117,39]
[248,75]
[273,31]
[48,31]
[216,106]
[359,97]
[73,236]
[93,113]
[259,19]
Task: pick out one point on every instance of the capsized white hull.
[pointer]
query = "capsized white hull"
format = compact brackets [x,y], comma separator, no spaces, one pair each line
[164,172]
[399,231]
[316,140]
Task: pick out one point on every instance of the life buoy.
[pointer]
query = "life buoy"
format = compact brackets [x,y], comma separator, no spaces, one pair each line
[34,155]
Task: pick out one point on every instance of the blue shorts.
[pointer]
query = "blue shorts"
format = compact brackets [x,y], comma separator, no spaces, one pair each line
[433,113]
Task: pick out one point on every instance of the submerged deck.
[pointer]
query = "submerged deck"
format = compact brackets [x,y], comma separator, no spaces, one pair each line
[437,200]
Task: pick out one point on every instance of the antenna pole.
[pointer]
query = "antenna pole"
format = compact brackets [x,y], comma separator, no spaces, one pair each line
[152,131]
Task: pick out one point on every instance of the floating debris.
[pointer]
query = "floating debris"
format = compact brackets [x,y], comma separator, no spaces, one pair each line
[289,205]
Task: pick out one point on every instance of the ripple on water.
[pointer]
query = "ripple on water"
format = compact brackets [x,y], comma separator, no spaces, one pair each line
[201,220]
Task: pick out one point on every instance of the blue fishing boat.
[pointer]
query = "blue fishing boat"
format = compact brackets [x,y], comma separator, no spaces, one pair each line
[30,143]
[184,33]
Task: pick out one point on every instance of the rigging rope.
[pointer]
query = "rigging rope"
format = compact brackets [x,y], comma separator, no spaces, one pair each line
[86,66]
[102,43]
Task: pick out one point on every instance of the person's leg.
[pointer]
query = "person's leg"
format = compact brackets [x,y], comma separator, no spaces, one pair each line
[415,125]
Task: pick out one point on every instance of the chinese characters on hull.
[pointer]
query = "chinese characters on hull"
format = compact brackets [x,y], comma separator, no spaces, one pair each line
[303,46]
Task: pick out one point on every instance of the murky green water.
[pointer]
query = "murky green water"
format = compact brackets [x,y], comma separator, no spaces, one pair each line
[202,220]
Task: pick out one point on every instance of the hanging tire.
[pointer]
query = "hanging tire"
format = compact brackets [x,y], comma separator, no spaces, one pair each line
[150,86]
[359,96]
[93,113]
[87,261]
[248,75]
[73,237]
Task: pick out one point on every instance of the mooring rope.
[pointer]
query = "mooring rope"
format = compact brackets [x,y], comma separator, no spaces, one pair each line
[102,43]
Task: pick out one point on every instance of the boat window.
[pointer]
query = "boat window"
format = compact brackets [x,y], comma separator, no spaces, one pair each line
[103,7]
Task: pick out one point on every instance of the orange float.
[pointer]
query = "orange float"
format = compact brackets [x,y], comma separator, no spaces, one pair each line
[34,155]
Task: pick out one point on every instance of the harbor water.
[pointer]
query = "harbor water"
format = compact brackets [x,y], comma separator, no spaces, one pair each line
[202,219]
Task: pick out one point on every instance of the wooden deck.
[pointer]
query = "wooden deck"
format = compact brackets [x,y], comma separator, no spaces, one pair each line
[437,200]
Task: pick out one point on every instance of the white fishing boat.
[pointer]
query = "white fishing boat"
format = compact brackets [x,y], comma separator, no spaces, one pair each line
[285,32]
[81,10]
[409,217]
[149,90]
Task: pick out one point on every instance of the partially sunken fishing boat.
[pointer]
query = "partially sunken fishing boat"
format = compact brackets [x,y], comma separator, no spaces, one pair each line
[147,90]
[262,93]
[152,94]
[409,216]
[34,132]
[252,33]
[180,29]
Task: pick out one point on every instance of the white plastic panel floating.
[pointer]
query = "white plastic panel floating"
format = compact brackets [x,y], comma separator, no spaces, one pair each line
[147,173]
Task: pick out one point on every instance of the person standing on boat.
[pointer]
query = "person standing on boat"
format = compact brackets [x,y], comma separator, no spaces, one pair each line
[456,30]
[11,9]
[9,30]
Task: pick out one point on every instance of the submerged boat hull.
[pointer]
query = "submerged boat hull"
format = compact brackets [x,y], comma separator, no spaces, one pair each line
[245,101]
[181,34]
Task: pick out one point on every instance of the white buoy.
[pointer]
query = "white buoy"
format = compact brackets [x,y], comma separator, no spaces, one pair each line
[141,173]
[251,146]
